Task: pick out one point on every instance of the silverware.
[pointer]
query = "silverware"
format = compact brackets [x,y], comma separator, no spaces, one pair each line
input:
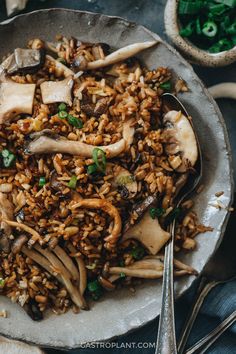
[203,344]
[166,340]
[220,269]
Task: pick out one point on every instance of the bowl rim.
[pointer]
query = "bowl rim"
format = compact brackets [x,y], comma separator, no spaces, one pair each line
[189,49]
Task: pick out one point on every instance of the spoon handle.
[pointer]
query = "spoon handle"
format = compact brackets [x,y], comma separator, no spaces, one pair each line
[166,341]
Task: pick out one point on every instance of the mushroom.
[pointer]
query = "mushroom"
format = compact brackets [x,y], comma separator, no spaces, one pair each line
[82,269]
[18,243]
[65,276]
[35,235]
[178,127]
[97,109]
[123,180]
[57,91]
[149,232]
[141,208]
[151,267]
[67,261]
[6,212]
[44,144]
[24,61]
[223,90]
[61,68]
[15,98]
[120,54]
[108,208]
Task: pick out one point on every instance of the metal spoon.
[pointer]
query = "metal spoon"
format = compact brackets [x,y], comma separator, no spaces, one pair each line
[166,340]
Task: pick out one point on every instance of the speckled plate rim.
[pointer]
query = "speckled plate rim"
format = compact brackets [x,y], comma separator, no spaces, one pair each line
[132,327]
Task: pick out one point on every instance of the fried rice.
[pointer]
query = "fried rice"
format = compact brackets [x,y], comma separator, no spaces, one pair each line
[63,215]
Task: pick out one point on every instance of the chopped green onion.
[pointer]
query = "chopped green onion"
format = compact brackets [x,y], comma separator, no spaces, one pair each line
[198,26]
[42,181]
[95,289]
[76,122]
[99,158]
[2,282]
[91,266]
[188,30]
[72,182]
[62,114]
[62,107]
[91,169]
[209,29]
[138,252]
[8,157]
[230,3]
[217,9]
[156,212]
[166,86]
[231,29]
[220,46]
[187,7]
[122,275]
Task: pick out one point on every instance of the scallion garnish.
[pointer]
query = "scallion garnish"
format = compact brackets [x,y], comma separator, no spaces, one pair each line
[138,253]
[2,282]
[166,86]
[62,114]
[156,212]
[76,122]
[99,158]
[72,182]
[42,181]
[62,107]
[209,24]
[91,169]
[95,290]
[8,157]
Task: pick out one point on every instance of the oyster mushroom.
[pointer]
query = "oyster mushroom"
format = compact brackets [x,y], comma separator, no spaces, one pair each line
[18,243]
[82,269]
[57,91]
[149,232]
[60,68]
[6,212]
[151,267]
[15,98]
[24,61]
[120,54]
[182,140]
[44,144]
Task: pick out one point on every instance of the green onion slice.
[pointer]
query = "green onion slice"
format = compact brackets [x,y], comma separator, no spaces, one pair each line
[72,182]
[99,158]
[62,114]
[42,181]
[92,169]
[209,29]
[62,107]
[166,86]
[8,158]
[76,122]
[138,252]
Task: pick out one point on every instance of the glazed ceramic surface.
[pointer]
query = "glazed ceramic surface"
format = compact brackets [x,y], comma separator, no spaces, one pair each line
[189,50]
[120,311]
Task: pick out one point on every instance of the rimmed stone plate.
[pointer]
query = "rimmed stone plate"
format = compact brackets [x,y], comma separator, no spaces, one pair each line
[120,312]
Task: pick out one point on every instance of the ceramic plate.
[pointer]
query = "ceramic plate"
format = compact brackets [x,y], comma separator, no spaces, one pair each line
[120,312]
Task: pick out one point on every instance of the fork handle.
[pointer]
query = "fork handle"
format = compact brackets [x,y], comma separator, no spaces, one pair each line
[166,341]
[203,290]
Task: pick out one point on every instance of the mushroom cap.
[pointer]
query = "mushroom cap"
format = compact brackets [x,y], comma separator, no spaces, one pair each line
[180,128]
[57,91]
[149,232]
[15,99]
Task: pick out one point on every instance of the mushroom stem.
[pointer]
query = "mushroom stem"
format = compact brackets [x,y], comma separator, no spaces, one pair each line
[137,273]
[108,208]
[67,261]
[48,145]
[35,235]
[120,54]
[224,90]
[59,66]
[82,269]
